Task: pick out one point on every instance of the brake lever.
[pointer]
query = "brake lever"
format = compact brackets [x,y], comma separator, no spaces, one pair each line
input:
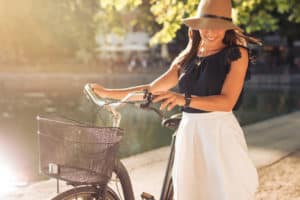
[149,97]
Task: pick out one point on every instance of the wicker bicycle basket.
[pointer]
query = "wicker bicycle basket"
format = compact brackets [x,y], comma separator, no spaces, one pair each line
[76,152]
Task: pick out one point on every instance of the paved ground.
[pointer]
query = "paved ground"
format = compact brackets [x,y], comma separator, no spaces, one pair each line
[281,180]
[268,141]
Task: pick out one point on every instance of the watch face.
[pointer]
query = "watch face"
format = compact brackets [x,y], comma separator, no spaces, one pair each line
[187,101]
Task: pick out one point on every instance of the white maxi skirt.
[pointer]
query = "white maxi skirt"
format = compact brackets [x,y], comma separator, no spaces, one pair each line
[211,159]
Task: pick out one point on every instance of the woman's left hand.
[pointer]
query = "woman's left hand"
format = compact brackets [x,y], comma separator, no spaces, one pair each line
[170,99]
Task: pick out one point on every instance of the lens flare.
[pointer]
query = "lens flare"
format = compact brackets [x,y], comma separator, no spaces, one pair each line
[9,179]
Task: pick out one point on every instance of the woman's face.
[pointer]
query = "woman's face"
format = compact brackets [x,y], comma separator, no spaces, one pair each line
[212,37]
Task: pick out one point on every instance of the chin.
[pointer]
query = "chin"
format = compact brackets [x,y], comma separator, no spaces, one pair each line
[216,41]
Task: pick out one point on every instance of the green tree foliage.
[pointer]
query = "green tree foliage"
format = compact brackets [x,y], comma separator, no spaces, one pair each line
[256,15]
[252,15]
[35,29]
[119,16]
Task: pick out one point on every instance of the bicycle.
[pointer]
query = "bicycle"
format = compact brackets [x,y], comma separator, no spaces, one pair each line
[90,183]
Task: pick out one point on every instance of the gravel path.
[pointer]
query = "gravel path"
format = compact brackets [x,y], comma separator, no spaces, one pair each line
[281,180]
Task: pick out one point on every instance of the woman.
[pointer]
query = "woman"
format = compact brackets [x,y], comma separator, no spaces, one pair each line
[211,156]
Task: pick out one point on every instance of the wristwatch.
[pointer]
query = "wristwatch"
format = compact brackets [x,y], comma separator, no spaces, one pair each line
[187,99]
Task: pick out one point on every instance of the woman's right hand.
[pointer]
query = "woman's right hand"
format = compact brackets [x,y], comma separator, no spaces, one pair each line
[99,90]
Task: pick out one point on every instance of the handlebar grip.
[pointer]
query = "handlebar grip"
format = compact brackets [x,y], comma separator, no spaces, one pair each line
[88,90]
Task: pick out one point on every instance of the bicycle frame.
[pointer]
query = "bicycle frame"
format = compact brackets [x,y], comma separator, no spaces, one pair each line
[120,169]
[124,177]
[167,187]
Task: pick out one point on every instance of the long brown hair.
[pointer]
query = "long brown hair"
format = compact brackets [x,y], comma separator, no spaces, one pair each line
[231,38]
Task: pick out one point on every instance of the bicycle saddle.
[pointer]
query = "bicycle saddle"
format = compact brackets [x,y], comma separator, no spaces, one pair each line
[172,122]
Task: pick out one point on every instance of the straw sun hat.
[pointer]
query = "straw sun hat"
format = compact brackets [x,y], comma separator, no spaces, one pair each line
[212,14]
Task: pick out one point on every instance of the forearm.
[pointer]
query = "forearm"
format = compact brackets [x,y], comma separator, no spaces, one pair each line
[121,93]
[212,103]
[163,83]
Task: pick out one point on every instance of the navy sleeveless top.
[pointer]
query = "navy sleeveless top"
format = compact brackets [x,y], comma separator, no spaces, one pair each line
[204,76]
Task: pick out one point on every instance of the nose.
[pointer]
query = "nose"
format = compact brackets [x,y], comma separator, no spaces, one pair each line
[208,31]
[211,31]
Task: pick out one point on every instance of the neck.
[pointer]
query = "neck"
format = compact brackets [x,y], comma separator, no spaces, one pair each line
[212,47]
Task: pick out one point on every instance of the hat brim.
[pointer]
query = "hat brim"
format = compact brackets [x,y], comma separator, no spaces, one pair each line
[197,23]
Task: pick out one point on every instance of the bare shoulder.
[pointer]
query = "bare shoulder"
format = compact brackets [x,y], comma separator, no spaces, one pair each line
[175,67]
[241,54]
[244,51]
[241,63]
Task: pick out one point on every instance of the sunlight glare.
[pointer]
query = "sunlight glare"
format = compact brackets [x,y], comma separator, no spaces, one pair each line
[9,181]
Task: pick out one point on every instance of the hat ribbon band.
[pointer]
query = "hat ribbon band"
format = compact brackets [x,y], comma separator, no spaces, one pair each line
[218,17]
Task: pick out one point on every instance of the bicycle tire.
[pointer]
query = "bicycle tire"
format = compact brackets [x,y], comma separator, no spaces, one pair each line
[85,193]
[122,174]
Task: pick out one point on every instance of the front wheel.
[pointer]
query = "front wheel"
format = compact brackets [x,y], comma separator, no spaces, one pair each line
[86,193]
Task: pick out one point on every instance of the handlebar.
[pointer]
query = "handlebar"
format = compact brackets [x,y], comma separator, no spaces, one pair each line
[92,96]
[140,98]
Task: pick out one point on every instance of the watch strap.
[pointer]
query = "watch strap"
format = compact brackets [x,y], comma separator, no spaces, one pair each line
[187,99]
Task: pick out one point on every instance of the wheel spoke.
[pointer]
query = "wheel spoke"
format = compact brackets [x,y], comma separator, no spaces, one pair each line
[85,193]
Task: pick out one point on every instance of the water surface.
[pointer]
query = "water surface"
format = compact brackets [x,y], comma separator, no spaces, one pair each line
[25,97]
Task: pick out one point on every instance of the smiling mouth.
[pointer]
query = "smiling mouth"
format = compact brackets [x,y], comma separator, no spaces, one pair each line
[210,38]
